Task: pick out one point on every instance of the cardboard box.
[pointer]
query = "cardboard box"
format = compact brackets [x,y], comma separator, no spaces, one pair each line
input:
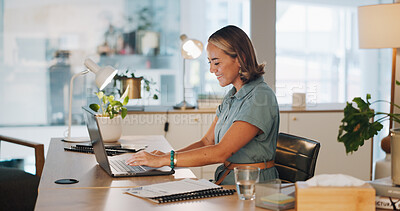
[334,198]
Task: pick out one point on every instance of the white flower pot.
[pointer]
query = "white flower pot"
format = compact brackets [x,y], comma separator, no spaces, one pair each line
[110,129]
[395,151]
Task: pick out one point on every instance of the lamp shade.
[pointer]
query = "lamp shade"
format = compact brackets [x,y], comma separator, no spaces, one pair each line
[103,75]
[190,48]
[379,26]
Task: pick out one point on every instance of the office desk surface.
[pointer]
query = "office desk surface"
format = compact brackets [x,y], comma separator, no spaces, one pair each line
[116,199]
[61,164]
[96,190]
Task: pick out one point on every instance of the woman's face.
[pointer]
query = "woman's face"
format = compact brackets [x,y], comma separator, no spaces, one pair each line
[224,67]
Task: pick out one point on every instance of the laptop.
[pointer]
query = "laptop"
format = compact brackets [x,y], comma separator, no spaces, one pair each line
[115,166]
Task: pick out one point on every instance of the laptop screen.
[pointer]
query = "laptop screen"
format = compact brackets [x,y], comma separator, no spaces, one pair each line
[101,155]
[96,139]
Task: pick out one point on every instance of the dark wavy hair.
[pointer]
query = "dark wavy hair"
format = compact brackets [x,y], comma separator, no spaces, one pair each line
[234,42]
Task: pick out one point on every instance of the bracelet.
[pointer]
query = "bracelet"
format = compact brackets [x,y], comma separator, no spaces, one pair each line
[175,159]
[172,159]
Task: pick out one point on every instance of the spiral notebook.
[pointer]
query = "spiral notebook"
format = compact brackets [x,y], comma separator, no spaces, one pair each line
[110,150]
[181,190]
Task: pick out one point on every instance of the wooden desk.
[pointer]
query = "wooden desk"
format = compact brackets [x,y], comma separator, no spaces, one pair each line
[97,190]
[83,167]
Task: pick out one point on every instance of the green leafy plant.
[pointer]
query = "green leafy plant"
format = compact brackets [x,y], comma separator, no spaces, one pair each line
[109,106]
[147,87]
[145,19]
[359,124]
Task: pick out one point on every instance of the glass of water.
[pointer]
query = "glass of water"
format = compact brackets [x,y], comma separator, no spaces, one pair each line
[246,178]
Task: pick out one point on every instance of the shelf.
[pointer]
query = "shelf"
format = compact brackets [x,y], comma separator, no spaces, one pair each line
[136,61]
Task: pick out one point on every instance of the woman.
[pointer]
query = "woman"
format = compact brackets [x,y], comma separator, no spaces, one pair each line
[246,125]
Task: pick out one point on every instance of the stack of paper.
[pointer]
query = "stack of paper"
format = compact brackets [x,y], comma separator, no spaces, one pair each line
[185,189]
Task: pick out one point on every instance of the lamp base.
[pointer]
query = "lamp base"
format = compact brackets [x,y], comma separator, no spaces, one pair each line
[395,157]
[183,106]
[76,139]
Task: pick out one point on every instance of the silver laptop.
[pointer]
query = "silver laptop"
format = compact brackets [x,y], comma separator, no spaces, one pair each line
[115,167]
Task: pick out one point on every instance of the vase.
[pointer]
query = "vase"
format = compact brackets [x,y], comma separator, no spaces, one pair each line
[110,129]
[395,151]
[134,87]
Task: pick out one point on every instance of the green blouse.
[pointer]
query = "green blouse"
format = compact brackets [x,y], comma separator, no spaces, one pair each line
[256,104]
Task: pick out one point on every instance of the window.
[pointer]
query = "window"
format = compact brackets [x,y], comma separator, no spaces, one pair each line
[317,53]
[44,42]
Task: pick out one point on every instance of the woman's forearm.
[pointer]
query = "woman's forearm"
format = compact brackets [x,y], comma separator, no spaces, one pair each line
[195,145]
[200,156]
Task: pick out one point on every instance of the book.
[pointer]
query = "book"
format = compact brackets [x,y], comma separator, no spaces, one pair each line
[275,195]
[181,190]
[385,187]
[278,198]
[278,201]
[389,203]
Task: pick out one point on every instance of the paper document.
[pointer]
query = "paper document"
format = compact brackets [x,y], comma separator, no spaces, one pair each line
[174,187]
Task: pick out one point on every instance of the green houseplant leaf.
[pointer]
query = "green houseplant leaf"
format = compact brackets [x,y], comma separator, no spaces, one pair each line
[109,106]
[94,107]
[356,125]
[359,123]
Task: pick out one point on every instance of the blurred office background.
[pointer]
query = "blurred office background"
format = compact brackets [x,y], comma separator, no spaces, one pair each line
[44,42]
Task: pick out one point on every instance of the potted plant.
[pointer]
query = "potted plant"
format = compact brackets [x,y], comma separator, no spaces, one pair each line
[111,114]
[129,79]
[359,124]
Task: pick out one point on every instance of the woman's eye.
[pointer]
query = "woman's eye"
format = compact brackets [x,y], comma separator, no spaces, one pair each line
[216,63]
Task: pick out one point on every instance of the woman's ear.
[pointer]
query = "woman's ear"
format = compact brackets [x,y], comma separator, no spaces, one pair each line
[237,62]
[242,57]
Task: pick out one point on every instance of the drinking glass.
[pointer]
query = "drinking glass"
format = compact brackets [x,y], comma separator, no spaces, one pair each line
[246,178]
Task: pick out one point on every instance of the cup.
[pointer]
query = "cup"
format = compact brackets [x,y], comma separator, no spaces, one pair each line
[246,178]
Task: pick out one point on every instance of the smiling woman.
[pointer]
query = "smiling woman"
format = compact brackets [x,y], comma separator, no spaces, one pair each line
[241,133]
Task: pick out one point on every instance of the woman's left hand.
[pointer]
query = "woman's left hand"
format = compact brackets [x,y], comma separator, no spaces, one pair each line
[147,159]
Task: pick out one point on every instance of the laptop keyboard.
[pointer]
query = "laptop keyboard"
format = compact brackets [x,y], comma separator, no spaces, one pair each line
[120,166]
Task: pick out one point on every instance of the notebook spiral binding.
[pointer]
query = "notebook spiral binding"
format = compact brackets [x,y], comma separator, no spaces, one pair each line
[194,195]
[89,149]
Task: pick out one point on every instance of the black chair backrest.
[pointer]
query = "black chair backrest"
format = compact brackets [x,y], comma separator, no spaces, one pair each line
[295,157]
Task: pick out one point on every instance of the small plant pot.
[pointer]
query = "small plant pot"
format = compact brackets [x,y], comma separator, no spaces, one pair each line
[110,129]
[134,87]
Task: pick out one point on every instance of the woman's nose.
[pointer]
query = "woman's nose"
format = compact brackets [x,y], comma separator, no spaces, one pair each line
[212,70]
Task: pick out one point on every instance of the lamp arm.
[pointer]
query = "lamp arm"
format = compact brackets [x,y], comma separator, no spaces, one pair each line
[392,88]
[71,85]
[183,80]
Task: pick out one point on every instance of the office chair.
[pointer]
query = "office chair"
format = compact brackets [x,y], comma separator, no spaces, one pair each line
[19,189]
[295,157]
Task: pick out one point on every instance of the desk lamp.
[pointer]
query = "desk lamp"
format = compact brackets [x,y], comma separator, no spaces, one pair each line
[103,77]
[379,27]
[190,49]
